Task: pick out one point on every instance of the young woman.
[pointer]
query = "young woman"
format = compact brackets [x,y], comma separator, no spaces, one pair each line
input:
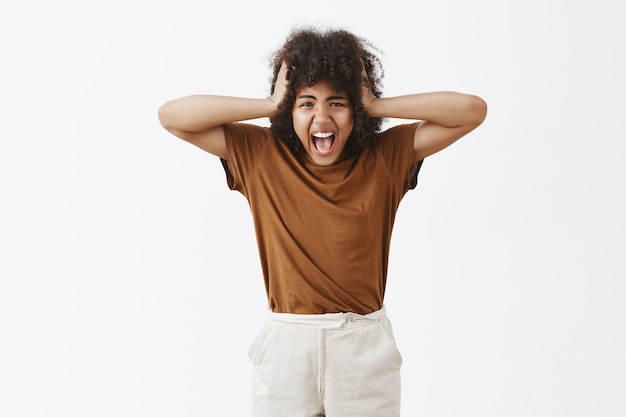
[324,184]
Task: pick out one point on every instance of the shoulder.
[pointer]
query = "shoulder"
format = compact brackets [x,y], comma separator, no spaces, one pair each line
[244,138]
[244,131]
[399,131]
[398,138]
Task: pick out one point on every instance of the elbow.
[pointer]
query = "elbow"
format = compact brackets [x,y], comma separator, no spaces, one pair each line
[170,115]
[477,109]
[164,114]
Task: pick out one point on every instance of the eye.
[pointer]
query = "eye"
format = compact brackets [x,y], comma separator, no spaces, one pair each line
[337,104]
[306,104]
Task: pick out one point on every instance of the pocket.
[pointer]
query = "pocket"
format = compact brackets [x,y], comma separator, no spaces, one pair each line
[258,342]
[388,333]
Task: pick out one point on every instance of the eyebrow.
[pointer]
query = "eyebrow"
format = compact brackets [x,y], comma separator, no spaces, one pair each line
[309,96]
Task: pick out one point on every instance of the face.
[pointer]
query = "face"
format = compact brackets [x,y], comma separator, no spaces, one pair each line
[323,121]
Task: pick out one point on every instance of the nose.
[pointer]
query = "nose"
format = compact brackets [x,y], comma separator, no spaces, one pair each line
[321,114]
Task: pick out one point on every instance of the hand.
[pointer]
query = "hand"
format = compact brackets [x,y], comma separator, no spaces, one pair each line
[280,87]
[367,97]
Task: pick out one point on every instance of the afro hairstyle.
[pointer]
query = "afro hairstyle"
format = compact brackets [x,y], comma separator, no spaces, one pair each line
[335,55]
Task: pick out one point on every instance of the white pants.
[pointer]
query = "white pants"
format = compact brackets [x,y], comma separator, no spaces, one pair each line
[334,365]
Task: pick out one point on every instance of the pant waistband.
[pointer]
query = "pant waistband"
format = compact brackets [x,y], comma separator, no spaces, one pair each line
[329,320]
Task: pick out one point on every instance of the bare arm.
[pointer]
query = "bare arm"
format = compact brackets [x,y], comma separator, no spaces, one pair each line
[198,119]
[445,117]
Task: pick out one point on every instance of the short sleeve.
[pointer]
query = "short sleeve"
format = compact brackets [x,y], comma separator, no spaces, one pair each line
[244,144]
[396,148]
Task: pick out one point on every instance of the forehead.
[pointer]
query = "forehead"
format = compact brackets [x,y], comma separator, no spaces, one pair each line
[320,90]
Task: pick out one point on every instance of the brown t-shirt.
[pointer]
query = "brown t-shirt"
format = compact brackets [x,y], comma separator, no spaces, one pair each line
[323,233]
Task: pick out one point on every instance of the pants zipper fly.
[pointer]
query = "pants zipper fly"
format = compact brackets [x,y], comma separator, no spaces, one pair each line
[321,361]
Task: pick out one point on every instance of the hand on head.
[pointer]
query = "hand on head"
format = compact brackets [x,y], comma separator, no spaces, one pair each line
[280,86]
[367,97]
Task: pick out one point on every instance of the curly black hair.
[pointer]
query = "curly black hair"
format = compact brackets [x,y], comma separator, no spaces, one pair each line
[335,55]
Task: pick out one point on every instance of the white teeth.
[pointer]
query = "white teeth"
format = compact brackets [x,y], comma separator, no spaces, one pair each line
[322,134]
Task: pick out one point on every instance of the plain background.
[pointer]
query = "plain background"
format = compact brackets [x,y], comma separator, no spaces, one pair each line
[129,278]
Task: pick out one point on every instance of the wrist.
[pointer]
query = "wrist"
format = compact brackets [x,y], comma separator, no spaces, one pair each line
[372,107]
[271,105]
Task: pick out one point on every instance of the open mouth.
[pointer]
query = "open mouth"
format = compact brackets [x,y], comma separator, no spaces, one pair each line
[323,142]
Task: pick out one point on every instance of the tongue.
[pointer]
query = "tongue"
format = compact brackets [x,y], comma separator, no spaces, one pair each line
[324,144]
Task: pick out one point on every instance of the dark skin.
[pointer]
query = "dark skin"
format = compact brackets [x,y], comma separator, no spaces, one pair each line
[444,116]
